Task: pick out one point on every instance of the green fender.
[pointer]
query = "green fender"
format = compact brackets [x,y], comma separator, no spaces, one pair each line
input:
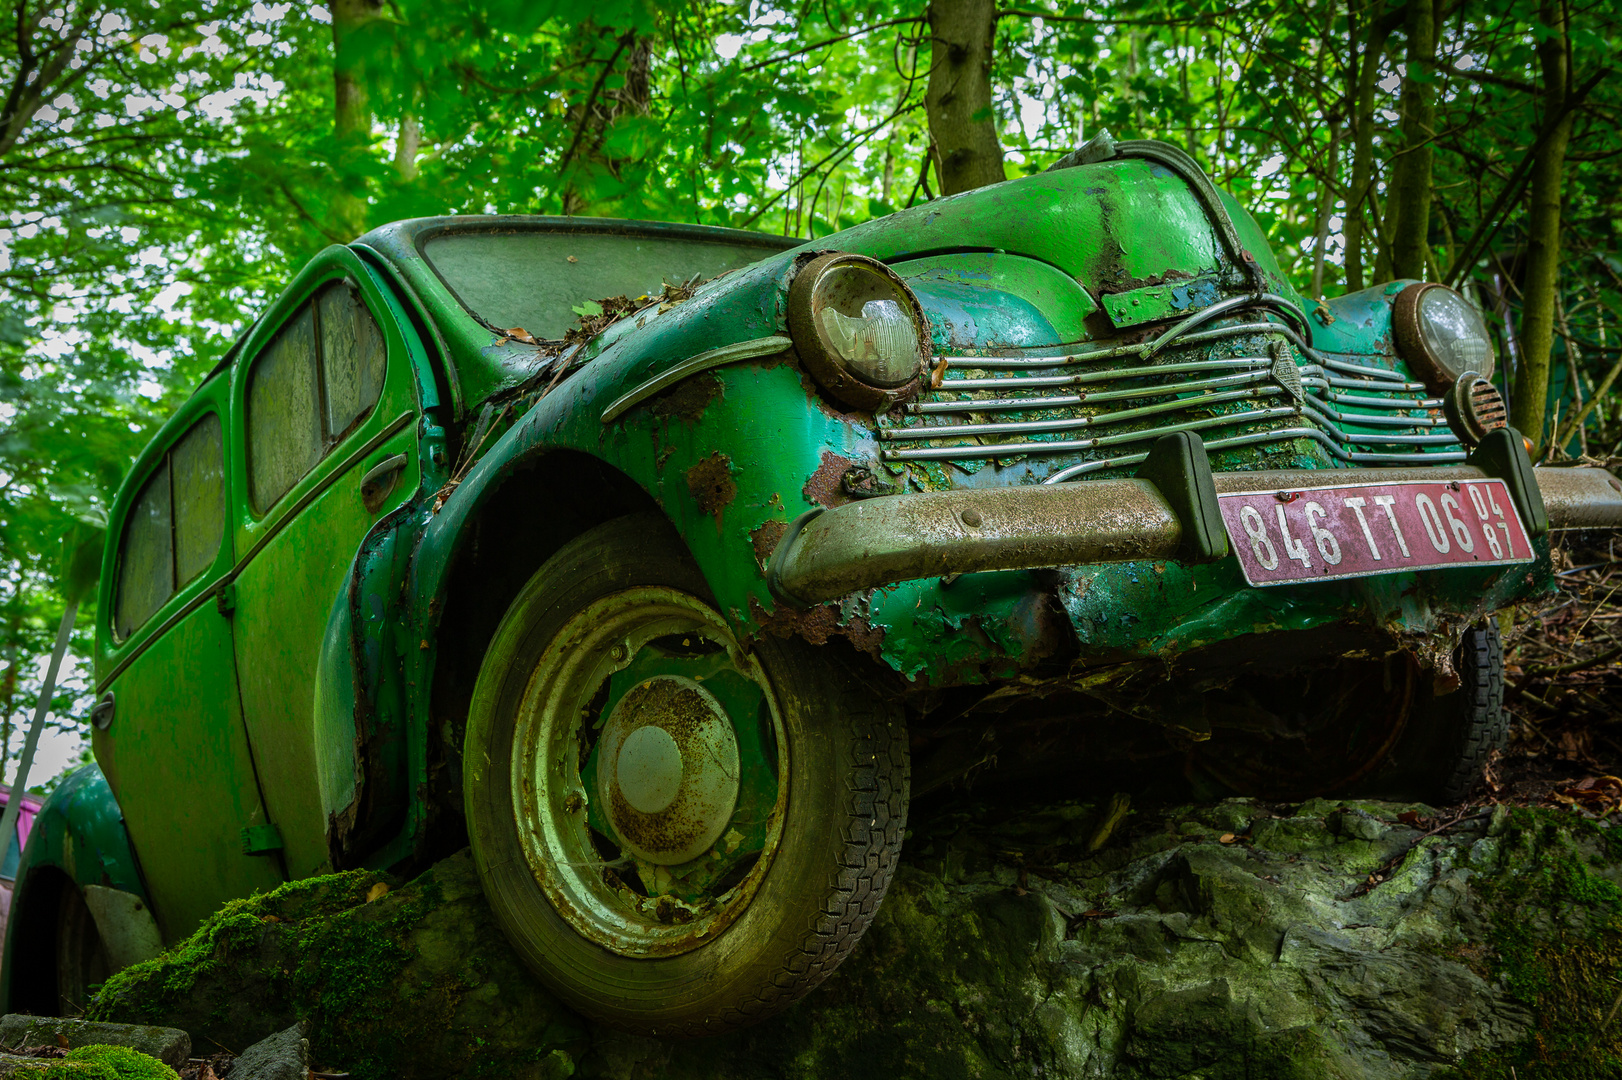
[79,833]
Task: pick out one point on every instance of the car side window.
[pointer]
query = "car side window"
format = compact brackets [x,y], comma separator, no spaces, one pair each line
[351,356]
[313,384]
[174,526]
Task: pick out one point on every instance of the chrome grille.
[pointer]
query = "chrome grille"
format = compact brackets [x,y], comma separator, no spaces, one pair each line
[1106,405]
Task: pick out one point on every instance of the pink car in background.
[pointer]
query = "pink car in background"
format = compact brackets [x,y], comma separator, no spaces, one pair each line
[8,867]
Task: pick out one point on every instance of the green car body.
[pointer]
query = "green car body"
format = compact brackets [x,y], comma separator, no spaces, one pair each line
[296,704]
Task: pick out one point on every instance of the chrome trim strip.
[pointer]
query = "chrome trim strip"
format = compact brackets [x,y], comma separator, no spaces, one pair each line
[1060,401]
[1025,449]
[1014,427]
[726,354]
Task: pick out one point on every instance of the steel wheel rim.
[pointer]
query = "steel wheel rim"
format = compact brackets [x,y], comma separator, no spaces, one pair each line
[585,682]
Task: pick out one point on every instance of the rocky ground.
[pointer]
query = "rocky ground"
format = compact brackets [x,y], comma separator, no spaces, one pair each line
[1217,941]
[1236,940]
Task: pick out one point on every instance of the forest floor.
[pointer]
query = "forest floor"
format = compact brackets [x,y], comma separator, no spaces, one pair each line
[1563,688]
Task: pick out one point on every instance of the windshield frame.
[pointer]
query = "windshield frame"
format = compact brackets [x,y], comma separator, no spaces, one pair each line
[518,225]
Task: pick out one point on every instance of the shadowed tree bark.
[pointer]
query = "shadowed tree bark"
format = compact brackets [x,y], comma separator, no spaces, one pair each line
[1408,202]
[1363,76]
[352,113]
[1543,231]
[961,122]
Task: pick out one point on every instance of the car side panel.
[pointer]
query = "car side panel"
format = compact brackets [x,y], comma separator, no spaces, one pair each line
[294,567]
[176,755]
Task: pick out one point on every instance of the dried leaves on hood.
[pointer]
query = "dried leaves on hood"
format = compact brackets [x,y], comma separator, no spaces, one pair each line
[595,316]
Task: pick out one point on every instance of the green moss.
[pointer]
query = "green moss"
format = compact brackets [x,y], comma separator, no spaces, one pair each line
[64,1070]
[1557,936]
[146,991]
[124,1063]
[101,1063]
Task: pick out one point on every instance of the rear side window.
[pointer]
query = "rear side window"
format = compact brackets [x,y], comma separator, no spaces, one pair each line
[313,384]
[174,526]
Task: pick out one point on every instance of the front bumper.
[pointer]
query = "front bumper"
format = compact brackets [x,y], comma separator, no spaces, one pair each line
[829,554]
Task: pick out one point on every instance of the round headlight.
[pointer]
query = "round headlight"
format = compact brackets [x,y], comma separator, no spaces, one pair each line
[1441,335]
[857,329]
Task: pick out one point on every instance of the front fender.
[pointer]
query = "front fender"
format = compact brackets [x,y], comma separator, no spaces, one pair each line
[78,834]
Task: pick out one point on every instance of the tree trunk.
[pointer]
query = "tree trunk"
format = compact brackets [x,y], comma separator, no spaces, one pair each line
[1365,73]
[961,121]
[1326,207]
[1408,202]
[406,148]
[1543,235]
[352,113]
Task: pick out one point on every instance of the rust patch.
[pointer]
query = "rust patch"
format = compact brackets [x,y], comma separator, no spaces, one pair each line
[765,539]
[1128,284]
[825,487]
[710,481]
[688,399]
[816,625]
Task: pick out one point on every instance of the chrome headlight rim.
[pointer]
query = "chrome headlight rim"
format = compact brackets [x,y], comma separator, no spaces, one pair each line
[817,351]
[1439,373]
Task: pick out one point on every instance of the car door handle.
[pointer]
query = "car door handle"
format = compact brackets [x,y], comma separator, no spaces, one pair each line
[379,480]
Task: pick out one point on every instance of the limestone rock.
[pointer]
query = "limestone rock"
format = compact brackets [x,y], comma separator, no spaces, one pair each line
[1237,940]
[282,1056]
[169,1045]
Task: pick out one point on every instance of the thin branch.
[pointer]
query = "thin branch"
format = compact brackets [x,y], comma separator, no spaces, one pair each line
[770,60]
[861,137]
[591,98]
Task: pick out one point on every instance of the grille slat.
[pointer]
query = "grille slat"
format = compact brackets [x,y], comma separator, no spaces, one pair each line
[1056,401]
[1036,427]
[980,406]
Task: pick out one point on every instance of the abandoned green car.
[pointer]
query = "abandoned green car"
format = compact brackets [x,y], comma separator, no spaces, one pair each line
[664,605]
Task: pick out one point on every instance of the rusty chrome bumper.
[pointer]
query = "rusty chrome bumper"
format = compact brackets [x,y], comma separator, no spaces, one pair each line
[831,553]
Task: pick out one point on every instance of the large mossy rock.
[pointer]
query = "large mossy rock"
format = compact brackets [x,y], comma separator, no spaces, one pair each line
[1223,942]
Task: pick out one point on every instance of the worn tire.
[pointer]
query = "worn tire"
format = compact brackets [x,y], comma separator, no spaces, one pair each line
[841,834]
[1451,736]
[81,960]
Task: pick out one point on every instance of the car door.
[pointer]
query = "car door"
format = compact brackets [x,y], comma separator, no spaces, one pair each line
[327,412]
[168,726]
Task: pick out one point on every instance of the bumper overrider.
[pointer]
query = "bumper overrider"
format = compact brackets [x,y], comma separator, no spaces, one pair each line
[1169,510]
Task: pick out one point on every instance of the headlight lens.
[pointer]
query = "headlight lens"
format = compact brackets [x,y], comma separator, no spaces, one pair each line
[1441,335]
[857,329]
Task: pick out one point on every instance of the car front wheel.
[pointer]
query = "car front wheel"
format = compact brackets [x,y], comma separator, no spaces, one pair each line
[679,835]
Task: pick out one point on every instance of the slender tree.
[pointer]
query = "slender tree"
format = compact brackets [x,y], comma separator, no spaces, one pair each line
[962,121]
[1543,228]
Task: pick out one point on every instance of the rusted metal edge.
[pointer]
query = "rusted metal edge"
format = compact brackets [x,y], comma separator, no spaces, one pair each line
[704,361]
[1176,160]
[827,554]
[880,541]
[1581,497]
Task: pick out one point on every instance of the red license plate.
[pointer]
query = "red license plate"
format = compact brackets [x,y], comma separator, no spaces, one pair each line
[1356,530]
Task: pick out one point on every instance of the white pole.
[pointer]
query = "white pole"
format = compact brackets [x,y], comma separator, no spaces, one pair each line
[14,804]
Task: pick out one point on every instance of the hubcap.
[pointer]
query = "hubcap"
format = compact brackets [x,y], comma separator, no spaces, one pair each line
[668,770]
[649,773]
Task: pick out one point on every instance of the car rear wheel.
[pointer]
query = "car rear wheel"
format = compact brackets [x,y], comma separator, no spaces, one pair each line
[1444,753]
[1301,734]
[679,835]
[81,960]
[1372,727]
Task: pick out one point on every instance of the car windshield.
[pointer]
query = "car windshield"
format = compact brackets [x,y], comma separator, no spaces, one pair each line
[533,280]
